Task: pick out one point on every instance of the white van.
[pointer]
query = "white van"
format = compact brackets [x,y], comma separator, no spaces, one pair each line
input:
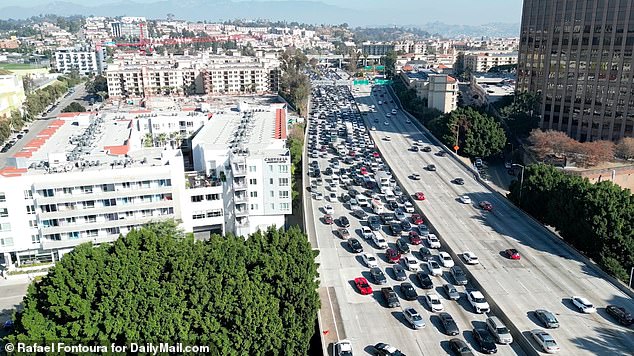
[362,200]
[389,195]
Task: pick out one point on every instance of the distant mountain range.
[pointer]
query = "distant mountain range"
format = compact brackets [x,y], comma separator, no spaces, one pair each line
[305,11]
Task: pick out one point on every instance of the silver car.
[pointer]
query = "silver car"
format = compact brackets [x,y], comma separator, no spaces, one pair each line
[452,292]
[412,316]
[545,341]
[547,318]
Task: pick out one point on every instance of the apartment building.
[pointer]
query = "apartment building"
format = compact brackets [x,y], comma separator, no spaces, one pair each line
[377,48]
[440,90]
[487,88]
[86,61]
[90,178]
[578,55]
[192,74]
[483,61]
[11,94]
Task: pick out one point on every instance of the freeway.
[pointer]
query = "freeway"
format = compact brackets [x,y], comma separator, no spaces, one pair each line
[364,320]
[548,273]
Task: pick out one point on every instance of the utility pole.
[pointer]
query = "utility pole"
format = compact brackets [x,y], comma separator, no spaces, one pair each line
[519,203]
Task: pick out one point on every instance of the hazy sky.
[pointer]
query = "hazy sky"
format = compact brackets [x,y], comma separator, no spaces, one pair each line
[448,11]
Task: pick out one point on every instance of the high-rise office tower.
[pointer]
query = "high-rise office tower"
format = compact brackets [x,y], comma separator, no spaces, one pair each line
[578,55]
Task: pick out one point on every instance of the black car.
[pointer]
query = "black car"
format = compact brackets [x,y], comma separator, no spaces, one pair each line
[374,222]
[392,205]
[395,229]
[345,198]
[378,276]
[414,149]
[383,349]
[406,226]
[460,347]
[431,167]
[401,199]
[426,149]
[399,272]
[360,214]
[353,193]
[355,245]
[441,153]
[458,181]
[344,222]
[408,291]
[391,299]
[328,171]
[458,275]
[451,328]
[622,315]
[402,246]
[425,281]
[387,218]
[425,254]
[485,340]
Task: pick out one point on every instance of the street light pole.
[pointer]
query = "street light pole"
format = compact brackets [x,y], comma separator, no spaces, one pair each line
[457,126]
[519,203]
[631,274]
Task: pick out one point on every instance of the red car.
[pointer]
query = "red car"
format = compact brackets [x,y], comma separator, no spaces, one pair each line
[328,219]
[392,255]
[364,171]
[352,153]
[419,196]
[513,254]
[363,286]
[486,205]
[414,238]
[417,219]
[376,155]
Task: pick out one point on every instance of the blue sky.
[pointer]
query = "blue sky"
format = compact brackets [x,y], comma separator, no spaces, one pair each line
[448,11]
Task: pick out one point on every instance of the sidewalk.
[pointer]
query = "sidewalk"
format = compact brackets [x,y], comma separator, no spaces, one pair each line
[16,279]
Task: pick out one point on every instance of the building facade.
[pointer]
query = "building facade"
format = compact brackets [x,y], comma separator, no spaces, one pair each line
[86,61]
[578,55]
[11,94]
[377,48]
[483,61]
[440,90]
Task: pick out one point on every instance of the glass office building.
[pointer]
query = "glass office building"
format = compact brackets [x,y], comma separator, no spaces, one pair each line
[578,55]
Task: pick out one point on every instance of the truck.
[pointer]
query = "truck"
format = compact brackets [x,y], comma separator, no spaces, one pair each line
[377,206]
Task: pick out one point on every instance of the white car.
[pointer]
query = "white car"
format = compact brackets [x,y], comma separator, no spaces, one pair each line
[545,341]
[409,207]
[369,260]
[470,258]
[386,123]
[445,259]
[328,209]
[366,232]
[332,197]
[478,302]
[379,241]
[433,241]
[465,199]
[433,302]
[583,304]
[319,196]
[411,263]
[373,128]
[394,111]
[434,268]
[388,115]
[387,138]
[343,348]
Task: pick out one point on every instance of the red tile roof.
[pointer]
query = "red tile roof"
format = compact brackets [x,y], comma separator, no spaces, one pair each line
[280,124]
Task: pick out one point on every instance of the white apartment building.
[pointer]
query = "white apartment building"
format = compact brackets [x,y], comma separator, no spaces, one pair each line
[89,178]
[440,90]
[488,89]
[483,61]
[86,61]
[136,75]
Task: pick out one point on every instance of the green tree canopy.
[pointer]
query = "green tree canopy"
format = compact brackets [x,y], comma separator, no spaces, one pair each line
[98,84]
[74,107]
[478,135]
[246,297]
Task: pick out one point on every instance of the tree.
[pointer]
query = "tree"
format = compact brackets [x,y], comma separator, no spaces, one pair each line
[74,107]
[243,297]
[520,114]
[625,148]
[389,60]
[100,83]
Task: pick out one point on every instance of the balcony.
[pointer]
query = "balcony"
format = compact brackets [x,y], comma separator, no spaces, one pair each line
[239,184]
[200,180]
[239,170]
[241,212]
[240,199]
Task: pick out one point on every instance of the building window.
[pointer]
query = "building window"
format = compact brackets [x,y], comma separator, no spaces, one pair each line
[30,209]
[253,194]
[91,218]
[272,194]
[283,182]
[254,207]
[6,242]
[284,206]
[253,181]
[67,191]
[28,194]
[212,197]
[88,204]
[86,189]
[4,212]
[33,223]
[5,227]
[283,194]
[283,168]
[3,198]
[271,181]
[197,198]
[252,169]
[272,206]
[214,213]
[35,239]
[92,233]
[270,168]
[45,192]
[198,216]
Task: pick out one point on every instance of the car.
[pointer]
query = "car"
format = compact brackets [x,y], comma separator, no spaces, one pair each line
[395,229]
[451,291]
[465,199]
[419,196]
[328,219]
[378,276]
[390,297]
[459,181]
[545,341]
[445,259]
[425,254]
[355,245]
[411,263]
[392,205]
[441,153]
[383,349]
[485,205]
[619,313]
[478,302]
[387,218]
[583,304]
[424,280]
[417,219]
[512,254]
[388,115]
[366,232]
[499,331]
[8,325]
[359,214]
[328,209]
[363,286]
[392,255]
[431,167]
[343,233]
[343,348]
[547,318]
[402,246]
[344,222]
[374,222]
[460,348]
[379,240]
[399,272]
[433,302]
[405,225]
[458,275]
[373,128]
[426,149]
[448,323]
[485,340]
[434,268]
[470,258]
[413,318]
[414,238]
[399,213]
[408,291]
[386,123]
[415,176]
[432,241]
[369,260]
[423,230]
[318,196]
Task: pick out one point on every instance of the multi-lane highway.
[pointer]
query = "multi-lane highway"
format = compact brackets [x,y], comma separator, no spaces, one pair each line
[548,272]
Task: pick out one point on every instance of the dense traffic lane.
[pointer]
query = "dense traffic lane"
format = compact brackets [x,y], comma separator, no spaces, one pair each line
[547,274]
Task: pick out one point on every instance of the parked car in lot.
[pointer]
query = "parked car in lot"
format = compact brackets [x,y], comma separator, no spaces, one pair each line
[425,254]
[328,219]
[411,263]
[379,240]
[399,272]
[433,302]
[343,233]
[378,276]
[414,238]
[434,268]
[424,280]
[547,318]
[402,246]
[355,245]
[392,255]
[369,260]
